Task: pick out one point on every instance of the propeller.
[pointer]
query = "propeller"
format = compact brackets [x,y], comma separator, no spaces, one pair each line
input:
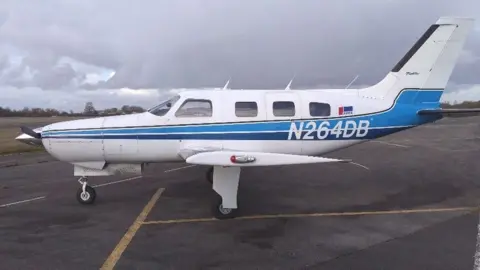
[30,132]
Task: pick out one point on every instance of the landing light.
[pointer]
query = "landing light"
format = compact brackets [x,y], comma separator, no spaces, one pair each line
[241,159]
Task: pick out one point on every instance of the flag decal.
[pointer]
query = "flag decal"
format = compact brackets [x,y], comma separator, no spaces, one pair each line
[345,110]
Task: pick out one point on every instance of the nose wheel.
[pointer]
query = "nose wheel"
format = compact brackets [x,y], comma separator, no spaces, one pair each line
[85,194]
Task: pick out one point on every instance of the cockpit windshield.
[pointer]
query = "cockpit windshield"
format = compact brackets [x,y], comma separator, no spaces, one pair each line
[164,106]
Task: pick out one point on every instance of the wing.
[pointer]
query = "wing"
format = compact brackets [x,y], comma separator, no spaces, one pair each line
[450,112]
[243,158]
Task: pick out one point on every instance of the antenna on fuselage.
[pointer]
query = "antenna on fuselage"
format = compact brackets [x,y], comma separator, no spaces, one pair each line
[226,85]
[354,79]
[290,83]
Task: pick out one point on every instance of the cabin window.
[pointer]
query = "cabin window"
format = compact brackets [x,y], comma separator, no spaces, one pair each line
[164,107]
[319,109]
[246,109]
[283,108]
[195,108]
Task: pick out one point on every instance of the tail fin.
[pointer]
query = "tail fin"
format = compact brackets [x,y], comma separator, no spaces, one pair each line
[430,61]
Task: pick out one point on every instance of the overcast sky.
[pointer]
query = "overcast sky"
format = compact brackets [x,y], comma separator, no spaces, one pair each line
[55,53]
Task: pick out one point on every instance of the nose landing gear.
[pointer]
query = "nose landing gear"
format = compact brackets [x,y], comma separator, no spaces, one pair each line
[85,194]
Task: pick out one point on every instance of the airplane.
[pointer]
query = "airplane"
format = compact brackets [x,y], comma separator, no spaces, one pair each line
[229,129]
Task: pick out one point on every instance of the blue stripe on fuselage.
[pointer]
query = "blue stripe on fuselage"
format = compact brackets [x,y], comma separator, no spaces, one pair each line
[401,116]
[280,135]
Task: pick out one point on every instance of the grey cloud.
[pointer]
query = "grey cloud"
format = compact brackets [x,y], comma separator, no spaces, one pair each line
[259,44]
[469,57]
[56,77]
[41,70]
[4,63]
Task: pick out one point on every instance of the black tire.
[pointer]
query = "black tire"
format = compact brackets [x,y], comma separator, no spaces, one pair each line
[223,213]
[209,175]
[88,197]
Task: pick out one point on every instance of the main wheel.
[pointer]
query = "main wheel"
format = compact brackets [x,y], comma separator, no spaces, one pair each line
[87,197]
[219,212]
[209,175]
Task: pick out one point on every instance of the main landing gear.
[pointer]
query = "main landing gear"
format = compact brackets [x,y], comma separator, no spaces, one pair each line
[225,184]
[85,194]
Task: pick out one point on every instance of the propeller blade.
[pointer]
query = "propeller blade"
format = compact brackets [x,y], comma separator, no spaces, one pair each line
[30,132]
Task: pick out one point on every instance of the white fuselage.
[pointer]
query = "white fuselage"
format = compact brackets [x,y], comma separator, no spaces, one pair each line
[147,137]
[139,150]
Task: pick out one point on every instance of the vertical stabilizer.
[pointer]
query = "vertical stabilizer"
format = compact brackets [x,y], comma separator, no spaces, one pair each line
[430,61]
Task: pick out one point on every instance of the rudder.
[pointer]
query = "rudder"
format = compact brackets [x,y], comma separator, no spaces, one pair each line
[430,61]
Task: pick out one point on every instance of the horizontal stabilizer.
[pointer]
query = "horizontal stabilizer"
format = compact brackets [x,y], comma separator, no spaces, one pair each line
[238,158]
[450,112]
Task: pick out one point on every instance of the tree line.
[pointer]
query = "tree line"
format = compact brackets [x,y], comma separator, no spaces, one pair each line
[89,110]
[463,105]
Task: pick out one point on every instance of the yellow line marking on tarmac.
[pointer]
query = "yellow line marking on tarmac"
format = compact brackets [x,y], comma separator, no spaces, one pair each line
[406,211]
[127,238]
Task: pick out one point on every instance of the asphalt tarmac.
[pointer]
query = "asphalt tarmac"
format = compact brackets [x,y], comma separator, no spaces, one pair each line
[410,203]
